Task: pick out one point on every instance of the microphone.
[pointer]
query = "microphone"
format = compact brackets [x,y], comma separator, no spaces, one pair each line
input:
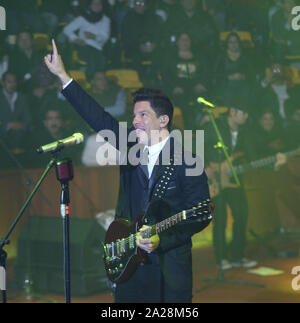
[202,100]
[75,139]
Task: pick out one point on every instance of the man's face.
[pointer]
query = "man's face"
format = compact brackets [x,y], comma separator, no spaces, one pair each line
[184,41]
[240,117]
[140,6]
[146,123]
[53,122]
[96,6]
[25,41]
[10,83]
[277,72]
[99,81]
[267,121]
[233,44]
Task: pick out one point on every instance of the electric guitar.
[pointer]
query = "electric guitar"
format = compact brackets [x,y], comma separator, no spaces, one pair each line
[121,253]
[222,173]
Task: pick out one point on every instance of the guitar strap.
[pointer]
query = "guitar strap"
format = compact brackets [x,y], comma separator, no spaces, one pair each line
[161,187]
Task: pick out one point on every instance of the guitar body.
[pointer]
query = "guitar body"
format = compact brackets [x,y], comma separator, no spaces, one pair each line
[219,178]
[121,253]
[121,268]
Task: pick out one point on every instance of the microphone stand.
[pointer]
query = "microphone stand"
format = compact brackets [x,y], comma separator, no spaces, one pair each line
[29,182]
[222,148]
[4,241]
[64,173]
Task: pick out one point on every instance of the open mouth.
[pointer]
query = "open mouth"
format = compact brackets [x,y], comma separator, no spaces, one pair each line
[140,130]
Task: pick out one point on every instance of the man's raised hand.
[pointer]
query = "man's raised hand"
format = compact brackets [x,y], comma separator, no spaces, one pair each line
[56,66]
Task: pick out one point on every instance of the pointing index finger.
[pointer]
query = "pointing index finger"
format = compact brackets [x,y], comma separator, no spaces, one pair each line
[55,52]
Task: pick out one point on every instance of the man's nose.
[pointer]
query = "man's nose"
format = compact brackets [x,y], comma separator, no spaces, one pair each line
[135,120]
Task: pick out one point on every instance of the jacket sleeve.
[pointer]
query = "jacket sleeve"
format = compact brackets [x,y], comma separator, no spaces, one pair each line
[91,111]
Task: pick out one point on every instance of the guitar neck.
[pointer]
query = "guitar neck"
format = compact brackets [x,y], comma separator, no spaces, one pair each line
[240,169]
[164,225]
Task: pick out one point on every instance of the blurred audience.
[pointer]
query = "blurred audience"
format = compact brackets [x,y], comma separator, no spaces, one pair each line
[89,32]
[110,95]
[22,13]
[217,10]
[234,70]
[164,8]
[277,84]
[54,125]
[171,43]
[14,114]
[141,40]
[186,76]
[24,59]
[196,23]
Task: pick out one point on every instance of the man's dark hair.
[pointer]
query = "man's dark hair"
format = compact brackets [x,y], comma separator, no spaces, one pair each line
[159,102]
[9,73]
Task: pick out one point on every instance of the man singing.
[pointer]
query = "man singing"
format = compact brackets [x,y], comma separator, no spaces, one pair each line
[167,274]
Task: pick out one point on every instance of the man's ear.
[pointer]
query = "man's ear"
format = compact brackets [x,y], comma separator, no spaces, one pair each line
[164,120]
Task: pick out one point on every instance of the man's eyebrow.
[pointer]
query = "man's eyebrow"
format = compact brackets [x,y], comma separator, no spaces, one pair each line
[139,112]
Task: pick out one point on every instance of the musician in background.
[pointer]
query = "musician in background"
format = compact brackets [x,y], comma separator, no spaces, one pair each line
[167,274]
[266,135]
[234,133]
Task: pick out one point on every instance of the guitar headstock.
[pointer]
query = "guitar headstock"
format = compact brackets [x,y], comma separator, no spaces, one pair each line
[203,211]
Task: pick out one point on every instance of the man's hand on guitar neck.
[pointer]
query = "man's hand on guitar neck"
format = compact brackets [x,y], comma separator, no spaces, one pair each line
[148,244]
[281,159]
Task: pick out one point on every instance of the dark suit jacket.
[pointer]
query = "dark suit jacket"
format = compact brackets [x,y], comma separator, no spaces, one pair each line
[174,252]
[20,113]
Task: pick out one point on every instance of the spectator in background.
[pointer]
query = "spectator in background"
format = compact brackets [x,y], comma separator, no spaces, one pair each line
[251,16]
[141,40]
[276,84]
[186,76]
[189,17]
[119,10]
[22,13]
[52,128]
[4,62]
[111,95]
[14,113]
[273,8]
[24,59]
[163,8]
[89,33]
[217,10]
[234,71]
[52,13]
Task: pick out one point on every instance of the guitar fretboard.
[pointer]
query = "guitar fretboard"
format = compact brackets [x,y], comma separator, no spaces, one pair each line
[240,169]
